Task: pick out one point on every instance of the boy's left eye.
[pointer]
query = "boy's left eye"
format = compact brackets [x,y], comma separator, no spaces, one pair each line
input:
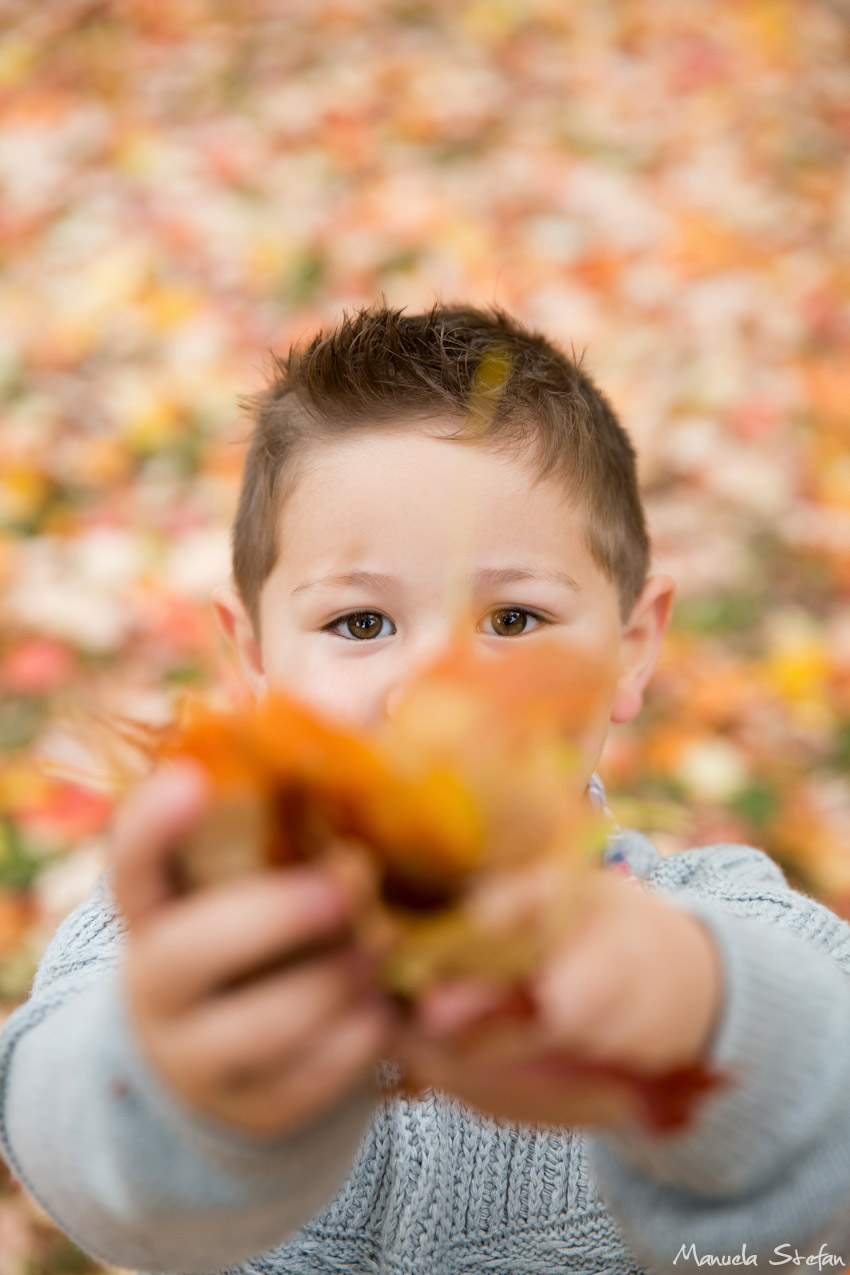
[514,620]
[510,622]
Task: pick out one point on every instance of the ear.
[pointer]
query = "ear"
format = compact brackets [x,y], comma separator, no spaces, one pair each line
[235,624]
[640,645]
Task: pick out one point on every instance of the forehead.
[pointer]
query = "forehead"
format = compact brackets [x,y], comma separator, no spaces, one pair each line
[378,478]
[410,501]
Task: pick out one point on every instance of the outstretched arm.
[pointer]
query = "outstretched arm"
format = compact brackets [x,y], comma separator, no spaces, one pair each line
[717,963]
[767,1163]
[133,1170]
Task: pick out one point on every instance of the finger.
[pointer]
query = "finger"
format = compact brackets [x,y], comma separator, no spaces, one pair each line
[544,1090]
[514,895]
[232,931]
[354,868]
[451,1007]
[534,1097]
[297,1094]
[238,1038]
[161,811]
[582,999]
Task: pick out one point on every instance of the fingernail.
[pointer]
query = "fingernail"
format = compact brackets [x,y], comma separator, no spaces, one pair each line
[181,781]
[325,901]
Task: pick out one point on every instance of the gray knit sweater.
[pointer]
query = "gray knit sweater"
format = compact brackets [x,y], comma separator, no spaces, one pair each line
[382,1184]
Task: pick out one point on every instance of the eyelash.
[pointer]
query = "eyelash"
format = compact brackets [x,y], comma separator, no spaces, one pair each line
[334,624]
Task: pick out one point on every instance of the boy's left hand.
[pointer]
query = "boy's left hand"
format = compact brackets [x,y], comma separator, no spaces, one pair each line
[636,987]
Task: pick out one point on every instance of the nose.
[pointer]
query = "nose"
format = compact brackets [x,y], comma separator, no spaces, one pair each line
[427,654]
[452,635]
[396,693]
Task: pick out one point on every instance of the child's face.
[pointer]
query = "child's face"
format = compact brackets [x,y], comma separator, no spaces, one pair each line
[414,512]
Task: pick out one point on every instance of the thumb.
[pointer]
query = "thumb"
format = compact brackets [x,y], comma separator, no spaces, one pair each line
[148,828]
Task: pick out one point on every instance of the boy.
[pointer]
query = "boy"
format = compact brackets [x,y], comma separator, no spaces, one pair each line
[172,1119]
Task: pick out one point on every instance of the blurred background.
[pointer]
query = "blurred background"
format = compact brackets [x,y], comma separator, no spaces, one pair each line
[186,185]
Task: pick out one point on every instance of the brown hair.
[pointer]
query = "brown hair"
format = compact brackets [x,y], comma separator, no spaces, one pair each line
[381,367]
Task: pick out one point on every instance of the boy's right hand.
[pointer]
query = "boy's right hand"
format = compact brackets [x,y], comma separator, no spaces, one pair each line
[264,1054]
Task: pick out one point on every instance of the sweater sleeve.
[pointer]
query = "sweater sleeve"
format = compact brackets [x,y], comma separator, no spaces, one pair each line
[765,1169]
[127,1169]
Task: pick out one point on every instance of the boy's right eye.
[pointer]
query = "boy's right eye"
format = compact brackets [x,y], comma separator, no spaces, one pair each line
[366,626]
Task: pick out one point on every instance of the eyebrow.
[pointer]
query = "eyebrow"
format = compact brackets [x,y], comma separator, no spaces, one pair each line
[479,579]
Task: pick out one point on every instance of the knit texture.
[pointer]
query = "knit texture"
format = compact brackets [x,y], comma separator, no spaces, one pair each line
[387,1184]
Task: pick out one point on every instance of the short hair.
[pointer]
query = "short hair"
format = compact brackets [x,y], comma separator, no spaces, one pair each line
[380,367]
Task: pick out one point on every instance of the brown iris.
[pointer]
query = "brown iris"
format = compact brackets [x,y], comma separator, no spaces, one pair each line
[511,629]
[367,630]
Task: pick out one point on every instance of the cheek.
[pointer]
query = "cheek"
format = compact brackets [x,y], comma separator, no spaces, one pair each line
[592,739]
[340,690]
